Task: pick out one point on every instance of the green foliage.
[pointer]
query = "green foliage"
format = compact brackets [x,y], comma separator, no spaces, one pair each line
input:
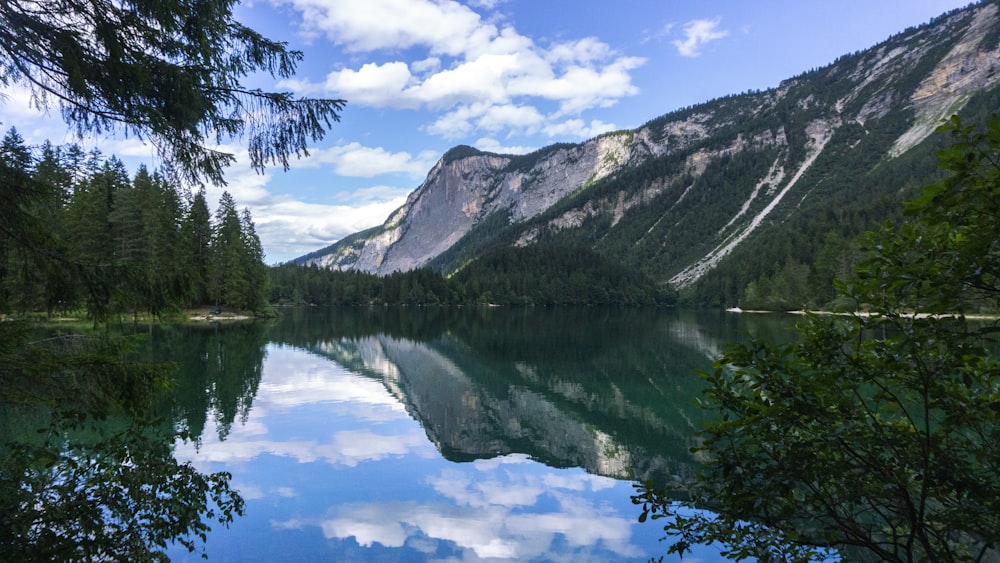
[875,434]
[80,234]
[555,274]
[168,72]
[236,268]
[542,275]
[459,152]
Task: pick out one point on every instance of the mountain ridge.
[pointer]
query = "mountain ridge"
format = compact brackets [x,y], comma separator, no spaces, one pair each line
[678,196]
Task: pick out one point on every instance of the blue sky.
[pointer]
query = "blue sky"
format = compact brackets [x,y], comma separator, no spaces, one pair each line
[508,76]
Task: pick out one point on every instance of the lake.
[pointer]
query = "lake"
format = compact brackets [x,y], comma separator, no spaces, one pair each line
[398,434]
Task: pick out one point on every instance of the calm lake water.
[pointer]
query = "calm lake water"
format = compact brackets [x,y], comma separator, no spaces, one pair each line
[446,435]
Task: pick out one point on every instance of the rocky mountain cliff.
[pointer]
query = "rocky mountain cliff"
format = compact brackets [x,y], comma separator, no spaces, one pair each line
[830,150]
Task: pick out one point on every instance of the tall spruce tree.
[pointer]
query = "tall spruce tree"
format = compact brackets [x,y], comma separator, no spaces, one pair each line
[195,250]
[253,257]
[18,196]
[229,284]
[53,175]
[94,248]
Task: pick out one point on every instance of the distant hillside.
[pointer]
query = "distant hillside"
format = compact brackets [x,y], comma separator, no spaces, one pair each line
[757,191]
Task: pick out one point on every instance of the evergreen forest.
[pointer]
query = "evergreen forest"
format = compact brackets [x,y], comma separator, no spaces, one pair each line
[87,237]
[540,275]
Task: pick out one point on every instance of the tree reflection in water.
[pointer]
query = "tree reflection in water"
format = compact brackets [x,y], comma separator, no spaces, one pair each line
[86,473]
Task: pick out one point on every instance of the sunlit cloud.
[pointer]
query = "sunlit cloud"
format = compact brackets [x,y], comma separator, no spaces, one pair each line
[579,128]
[356,160]
[291,228]
[365,25]
[493,145]
[372,194]
[480,75]
[697,34]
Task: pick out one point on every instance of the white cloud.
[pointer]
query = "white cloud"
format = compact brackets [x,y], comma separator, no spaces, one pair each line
[657,34]
[482,76]
[697,33]
[428,65]
[489,144]
[290,228]
[578,128]
[373,194]
[368,25]
[356,160]
[586,50]
[372,85]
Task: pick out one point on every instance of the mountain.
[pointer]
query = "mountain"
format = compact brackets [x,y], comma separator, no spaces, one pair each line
[761,187]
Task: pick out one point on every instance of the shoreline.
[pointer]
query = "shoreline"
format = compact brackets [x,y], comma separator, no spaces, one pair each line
[186,316]
[974,316]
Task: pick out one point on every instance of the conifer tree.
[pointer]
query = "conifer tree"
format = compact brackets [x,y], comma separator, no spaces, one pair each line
[54,177]
[18,196]
[229,285]
[167,72]
[256,270]
[195,249]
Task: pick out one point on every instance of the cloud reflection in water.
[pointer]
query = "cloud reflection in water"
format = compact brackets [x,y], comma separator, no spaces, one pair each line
[328,450]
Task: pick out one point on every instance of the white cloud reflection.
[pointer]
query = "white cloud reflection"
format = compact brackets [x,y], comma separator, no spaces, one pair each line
[347,448]
[489,511]
[506,508]
[295,379]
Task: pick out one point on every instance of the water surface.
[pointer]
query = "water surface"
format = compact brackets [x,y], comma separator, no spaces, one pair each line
[443,434]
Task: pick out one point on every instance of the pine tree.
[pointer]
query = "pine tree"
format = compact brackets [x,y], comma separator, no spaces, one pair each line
[18,195]
[228,282]
[194,251]
[54,175]
[255,268]
[93,247]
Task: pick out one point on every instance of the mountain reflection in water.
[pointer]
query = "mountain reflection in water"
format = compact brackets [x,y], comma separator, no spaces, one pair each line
[402,434]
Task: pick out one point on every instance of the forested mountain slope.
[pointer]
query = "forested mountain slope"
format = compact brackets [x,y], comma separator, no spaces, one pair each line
[747,197]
